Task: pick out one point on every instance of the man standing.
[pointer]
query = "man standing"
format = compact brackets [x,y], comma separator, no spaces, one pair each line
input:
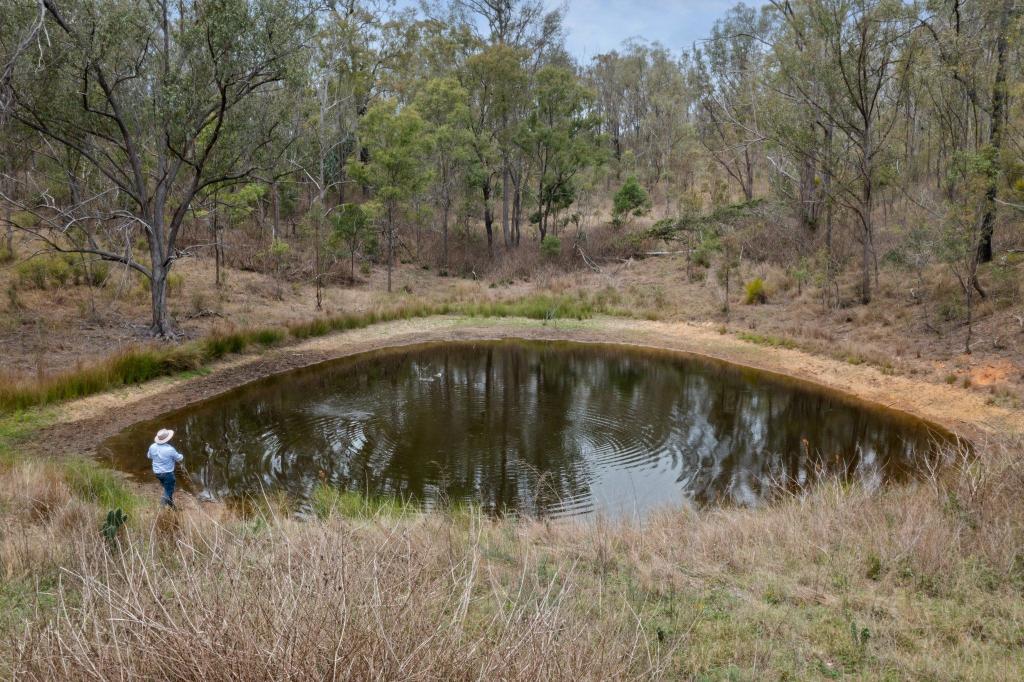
[165,457]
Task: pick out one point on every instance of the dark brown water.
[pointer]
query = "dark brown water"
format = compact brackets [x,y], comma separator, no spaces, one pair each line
[550,429]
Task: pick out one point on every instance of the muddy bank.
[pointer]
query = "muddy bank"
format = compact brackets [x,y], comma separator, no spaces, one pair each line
[89,421]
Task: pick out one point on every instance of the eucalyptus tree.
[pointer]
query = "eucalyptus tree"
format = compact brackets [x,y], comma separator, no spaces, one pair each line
[972,43]
[535,36]
[863,50]
[444,105]
[144,106]
[20,26]
[727,74]
[397,165]
[495,79]
[561,136]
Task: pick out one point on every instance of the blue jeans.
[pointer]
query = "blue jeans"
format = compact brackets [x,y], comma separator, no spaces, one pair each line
[167,481]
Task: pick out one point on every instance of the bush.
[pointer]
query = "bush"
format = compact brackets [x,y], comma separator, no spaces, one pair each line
[43,272]
[755,292]
[631,199]
[551,246]
[217,346]
[268,337]
[175,281]
[89,273]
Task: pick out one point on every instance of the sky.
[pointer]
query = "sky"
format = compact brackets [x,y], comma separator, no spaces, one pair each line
[596,26]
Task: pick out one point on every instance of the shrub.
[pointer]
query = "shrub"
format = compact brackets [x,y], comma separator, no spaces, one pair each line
[631,199]
[43,272]
[89,273]
[175,281]
[755,292]
[218,345]
[551,246]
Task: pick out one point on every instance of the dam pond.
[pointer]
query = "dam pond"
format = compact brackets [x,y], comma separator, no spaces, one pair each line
[548,429]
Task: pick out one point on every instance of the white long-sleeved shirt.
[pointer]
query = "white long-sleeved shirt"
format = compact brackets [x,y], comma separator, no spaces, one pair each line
[164,457]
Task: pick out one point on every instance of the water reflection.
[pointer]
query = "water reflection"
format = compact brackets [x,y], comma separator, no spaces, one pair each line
[542,428]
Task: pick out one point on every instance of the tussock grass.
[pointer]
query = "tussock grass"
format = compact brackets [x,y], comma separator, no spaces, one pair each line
[128,367]
[768,340]
[328,501]
[100,485]
[534,308]
[138,365]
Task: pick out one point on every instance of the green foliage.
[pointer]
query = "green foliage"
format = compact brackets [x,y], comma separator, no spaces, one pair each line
[352,232]
[534,308]
[398,149]
[768,340]
[755,293]
[43,272]
[560,134]
[218,345]
[279,248]
[100,485]
[551,246]
[328,501]
[24,219]
[671,229]
[116,519]
[130,367]
[631,199]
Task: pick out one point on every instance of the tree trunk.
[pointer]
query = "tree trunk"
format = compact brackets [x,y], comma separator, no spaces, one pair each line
[809,207]
[517,216]
[505,182]
[444,238]
[488,219]
[391,245]
[9,250]
[276,200]
[215,229]
[162,326]
[995,137]
[748,181]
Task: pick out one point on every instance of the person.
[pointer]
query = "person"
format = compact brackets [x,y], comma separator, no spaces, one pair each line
[165,457]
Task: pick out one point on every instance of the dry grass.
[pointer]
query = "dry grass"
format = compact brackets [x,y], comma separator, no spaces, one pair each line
[277,599]
[923,581]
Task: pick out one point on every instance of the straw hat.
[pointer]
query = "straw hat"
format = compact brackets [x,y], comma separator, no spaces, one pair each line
[163,435]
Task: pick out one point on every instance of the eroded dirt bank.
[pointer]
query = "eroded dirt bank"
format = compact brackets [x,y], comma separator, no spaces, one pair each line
[89,421]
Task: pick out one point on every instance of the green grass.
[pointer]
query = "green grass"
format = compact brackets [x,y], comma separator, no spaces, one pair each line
[99,485]
[768,340]
[15,428]
[330,501]
[534,308]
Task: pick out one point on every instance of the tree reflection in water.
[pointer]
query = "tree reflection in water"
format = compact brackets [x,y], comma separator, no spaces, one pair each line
[532,427]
